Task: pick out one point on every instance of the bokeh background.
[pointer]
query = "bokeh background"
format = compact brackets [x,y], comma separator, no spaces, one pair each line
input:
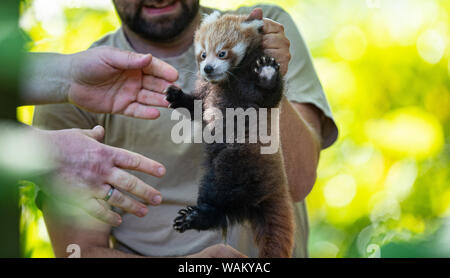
[383,189]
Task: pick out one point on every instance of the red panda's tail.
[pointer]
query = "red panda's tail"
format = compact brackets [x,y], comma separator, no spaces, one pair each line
[275,235]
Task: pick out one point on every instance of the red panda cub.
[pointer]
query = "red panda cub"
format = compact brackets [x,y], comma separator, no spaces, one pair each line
[240,184]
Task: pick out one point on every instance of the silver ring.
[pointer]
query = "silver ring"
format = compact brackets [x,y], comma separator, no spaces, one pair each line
[109,194]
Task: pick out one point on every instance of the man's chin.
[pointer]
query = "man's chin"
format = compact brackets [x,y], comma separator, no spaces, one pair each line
[160,28]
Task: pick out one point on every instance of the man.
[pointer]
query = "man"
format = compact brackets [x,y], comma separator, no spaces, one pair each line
[165,29]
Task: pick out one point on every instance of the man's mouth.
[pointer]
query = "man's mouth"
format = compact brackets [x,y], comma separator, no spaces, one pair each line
[160,8]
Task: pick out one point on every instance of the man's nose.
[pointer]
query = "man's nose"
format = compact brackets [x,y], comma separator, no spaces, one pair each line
[208,69]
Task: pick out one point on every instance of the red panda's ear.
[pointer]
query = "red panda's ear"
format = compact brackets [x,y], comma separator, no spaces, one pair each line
[257,14]
[254,20]
[210,18]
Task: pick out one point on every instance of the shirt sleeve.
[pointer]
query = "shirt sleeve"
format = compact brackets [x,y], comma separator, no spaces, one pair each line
[62,116]
[302,82]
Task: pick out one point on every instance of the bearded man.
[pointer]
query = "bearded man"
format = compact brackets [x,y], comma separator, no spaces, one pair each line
[165,29]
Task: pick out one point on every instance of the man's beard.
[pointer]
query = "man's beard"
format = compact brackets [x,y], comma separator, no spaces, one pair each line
[163,29]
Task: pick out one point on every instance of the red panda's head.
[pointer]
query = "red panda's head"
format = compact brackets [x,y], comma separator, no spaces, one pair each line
[221,43]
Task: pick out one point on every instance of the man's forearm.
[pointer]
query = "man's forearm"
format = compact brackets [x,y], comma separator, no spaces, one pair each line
[105,252]
[300,142]
[45,78]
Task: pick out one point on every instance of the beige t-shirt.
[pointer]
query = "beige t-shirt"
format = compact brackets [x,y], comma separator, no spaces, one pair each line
[153,234]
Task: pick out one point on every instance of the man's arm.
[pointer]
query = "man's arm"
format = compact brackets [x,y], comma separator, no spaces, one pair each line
[300,132]
[45,78]
[306,125]
[68,225]
[99,80]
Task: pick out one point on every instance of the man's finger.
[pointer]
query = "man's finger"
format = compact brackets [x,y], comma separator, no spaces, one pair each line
[162,70]
[100,210]
[154,84]
[129,183]
[141,111]
[120,200]
[275,41]
[271,26]
[152,98]
[276,53]
[280,56]
[96,133]
[132,161]
[127,60]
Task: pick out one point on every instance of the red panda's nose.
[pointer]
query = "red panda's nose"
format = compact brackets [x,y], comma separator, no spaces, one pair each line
[208,69]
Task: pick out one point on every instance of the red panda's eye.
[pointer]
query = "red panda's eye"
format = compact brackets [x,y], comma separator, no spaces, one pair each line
[222,54]
[203,55]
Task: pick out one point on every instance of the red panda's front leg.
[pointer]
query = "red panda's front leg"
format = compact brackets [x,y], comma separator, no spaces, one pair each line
[178,99]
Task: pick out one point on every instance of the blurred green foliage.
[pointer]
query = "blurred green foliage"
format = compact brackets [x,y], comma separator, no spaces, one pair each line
[11,44]
[34,239]
[384,187]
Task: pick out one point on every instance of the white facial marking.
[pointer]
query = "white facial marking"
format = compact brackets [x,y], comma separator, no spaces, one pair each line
[207,19]
[267,72]
[198,48]
[202,66]
[206,46]
[220,68]
[219,47]
[239,49]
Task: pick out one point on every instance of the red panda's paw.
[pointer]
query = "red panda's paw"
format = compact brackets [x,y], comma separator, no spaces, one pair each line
[267,70]
[183,221]
[174,96]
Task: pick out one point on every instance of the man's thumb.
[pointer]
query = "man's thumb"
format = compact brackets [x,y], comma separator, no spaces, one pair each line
[127,60]
[96,133]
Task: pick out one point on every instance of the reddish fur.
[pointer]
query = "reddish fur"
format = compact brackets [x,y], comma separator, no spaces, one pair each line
[227,30]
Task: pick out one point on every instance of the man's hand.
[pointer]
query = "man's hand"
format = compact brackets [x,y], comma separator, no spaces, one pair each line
[218,251]
[108,80]
[87,170]
[275,42]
